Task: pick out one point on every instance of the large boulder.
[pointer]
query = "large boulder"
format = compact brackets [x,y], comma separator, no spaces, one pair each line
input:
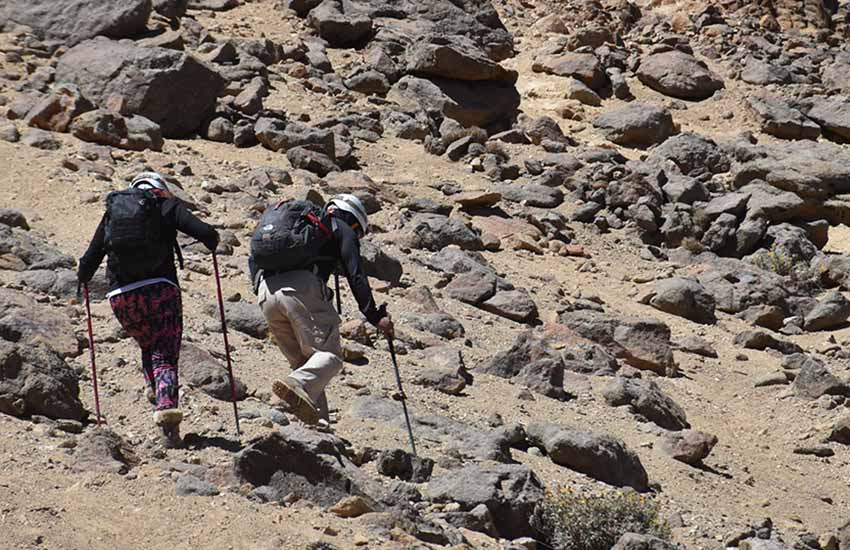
[478,103]
[678,74]
[684,298]
[134,132]
[601,457]
[56,111]
[35,380]
[169,87]
[73,21]
[636,125]
[511,493]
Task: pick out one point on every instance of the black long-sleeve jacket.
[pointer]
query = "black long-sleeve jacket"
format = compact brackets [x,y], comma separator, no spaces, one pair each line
[343,250]
[175,217]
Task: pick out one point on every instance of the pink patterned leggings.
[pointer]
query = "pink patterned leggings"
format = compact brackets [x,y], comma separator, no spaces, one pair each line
[153,316]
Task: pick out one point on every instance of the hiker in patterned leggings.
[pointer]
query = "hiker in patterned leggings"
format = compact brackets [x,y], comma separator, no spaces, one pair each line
[138,234]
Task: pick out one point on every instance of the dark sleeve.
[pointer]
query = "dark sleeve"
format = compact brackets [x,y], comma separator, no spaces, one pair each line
[187,223]
[349,248]
[94,255]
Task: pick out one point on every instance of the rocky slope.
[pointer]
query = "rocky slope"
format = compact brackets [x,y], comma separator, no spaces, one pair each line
[611,232]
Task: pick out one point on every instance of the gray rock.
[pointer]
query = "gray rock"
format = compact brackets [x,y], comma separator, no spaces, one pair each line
[634,541]
[213,5]
[474,287]
[688,446]
[200,370]
[245,317]
[760,340]
[693,154]
[37,381]
[782,121]
[171,9]
[168,87]
[762,73]
[532,195]
[511,493]
[400,464]
[340,23]
[603,458]
[29,323]
[677,74]
[102,450]
[8,132]
[697,346]
[469,103]
[814,380]
[840,432]
[686,190]
[515,305]
[135,133]
[585,67]
[636,125]
[377,263]
[644,344]
[13,218]
[368,82]
[444,380]
[645,398]
[294,459]
[441,324]
[220,129]
[40,139]
[454,57]
[73,21]
[762,544]
[435,232]
[684,298]
[832,311]
[191,486]
[832,114]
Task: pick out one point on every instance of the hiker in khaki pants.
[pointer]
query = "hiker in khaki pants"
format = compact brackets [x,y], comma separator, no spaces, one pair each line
[296,302]
[306,327]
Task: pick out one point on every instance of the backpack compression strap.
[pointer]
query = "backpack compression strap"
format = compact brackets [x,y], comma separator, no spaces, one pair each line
[318,223]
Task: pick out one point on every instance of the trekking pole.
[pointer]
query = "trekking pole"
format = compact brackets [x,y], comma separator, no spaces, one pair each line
[401,394]
[91,352]
[338,298]
[226,344]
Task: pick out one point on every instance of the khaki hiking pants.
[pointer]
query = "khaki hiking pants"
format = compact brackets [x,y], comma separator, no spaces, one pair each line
[305,325]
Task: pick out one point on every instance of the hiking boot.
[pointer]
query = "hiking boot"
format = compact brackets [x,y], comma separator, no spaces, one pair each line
[299,402]
[169,422]
[150,395]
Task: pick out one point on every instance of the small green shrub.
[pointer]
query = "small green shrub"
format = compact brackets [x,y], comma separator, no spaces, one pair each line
[578,522]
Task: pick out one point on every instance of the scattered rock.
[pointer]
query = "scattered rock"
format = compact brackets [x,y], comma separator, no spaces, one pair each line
[677,74]
[191,486]
[684,298]
[688,446]
[645,398]
[814,380]
[102,450]
[832,311]
[633,541]
[245,317]
[351,507]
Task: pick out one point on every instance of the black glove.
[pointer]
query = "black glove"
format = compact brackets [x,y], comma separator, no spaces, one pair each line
[212,242]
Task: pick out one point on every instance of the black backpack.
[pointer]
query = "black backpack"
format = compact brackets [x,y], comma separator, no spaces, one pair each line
[134,233]
[290,236]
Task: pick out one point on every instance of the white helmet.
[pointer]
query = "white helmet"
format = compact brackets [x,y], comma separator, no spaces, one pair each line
[351,204]
[149,180]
